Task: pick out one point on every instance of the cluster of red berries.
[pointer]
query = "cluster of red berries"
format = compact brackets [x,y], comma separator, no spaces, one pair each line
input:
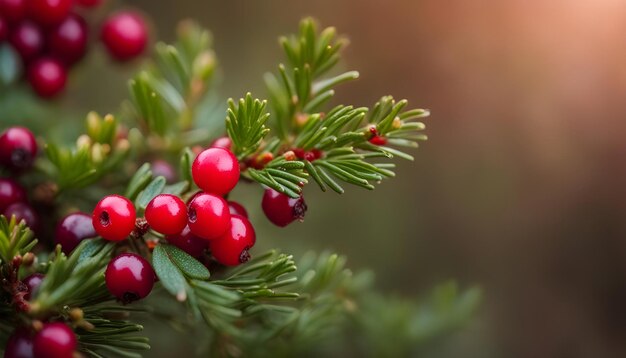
[51,36]
[53,340]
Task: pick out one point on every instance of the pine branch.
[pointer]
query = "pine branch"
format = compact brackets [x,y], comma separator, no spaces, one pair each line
[245,125]
[15,239]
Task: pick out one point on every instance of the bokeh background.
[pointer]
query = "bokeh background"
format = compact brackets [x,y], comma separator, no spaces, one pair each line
[520,188]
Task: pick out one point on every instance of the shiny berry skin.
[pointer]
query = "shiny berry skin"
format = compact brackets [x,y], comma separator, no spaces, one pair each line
[209,216]
[55,340]
[4,29]
[378,140]
[68,40]
[216,171]
[89,3]
[49,12]
[231,249]
[73,229]
[166,214]
[129,277]
[114,218]
[47,77]
[13,10]
[237,209]
[188,242]
[222,142]
[124,35]
[20,344]
[18,148]
[32,282]
[10,193]
[282,210]
[27,39]
[164,169]
[22,211]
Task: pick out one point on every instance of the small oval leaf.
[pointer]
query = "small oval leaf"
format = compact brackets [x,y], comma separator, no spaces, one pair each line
[191,267]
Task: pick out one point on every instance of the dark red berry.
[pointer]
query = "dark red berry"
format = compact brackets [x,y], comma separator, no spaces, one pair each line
[18,148]
[20,344]
[232,248]
[55,340]
[22,211]
[47,77]
[73,229]
[129,277]
[282,210]
[125,36]
[13,10]
[4,29]
[237,209]
[216,171]
[222,142]
[208,215]
[32,282]
[68,40]
[10,192]
[378,140]
[49,12]
[27,39]
[188,242]
[114,218]
[317,154]
[166,214]
[164,169]
[299,152]
[309,156]
[89,3]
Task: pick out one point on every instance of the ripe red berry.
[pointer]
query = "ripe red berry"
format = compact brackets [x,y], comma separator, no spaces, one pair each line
[47,77]
[68,40]
[216,171]
[89,3]
[282,210]
[55,340]
[13,10]
[378,140]
[4,29]
[22,211]
[188,242]
[73,229]
[32,282]
[114,218]
[222,142]
[208,215]
[129,277]
[164,169]
[232,248]
[166,214]
[18,148]
[10,192]
[27,39]
[124,35]
[49,12]
[237,209]
[20,344]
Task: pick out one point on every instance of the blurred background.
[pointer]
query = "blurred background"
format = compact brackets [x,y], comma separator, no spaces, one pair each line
[519,189]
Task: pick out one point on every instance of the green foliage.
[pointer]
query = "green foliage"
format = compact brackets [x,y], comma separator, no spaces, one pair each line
[245,124]
[15,238]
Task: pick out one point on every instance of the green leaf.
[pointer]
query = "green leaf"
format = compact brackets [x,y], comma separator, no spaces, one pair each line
[191,267]
[170,275]
[185,165]
[139,181]
[177,188]
[153,189]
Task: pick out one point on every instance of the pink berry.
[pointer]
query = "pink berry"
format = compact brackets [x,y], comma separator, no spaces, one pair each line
[68,40]
[216,171]
[73,229]
[124,35]
[164,169]
[49,12]
[27,39]
[32,282]
[18,148]
[222,142]
[166,214]
[22,211]
[10,193]
[47,77]
[55,340]
[20,344]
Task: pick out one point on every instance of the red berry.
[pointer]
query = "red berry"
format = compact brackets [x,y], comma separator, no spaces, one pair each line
[166,214]
[222,142]
[317,154]
[237,209]
[18,148]
[55,340]
[49,12]
[309,156]
[89,3]
[114,218]
[47,76]
[129,277]
[32,282]
[208,215]
[378,140]
[125,36]
[27,39]
[10,192]
[4,29]
[22,211]
[73,229]
[216,171]
[13,10]
[188,242]
[20,344]
[231,249]
[282,210]
[68,40]
[164,169]
[299,152]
